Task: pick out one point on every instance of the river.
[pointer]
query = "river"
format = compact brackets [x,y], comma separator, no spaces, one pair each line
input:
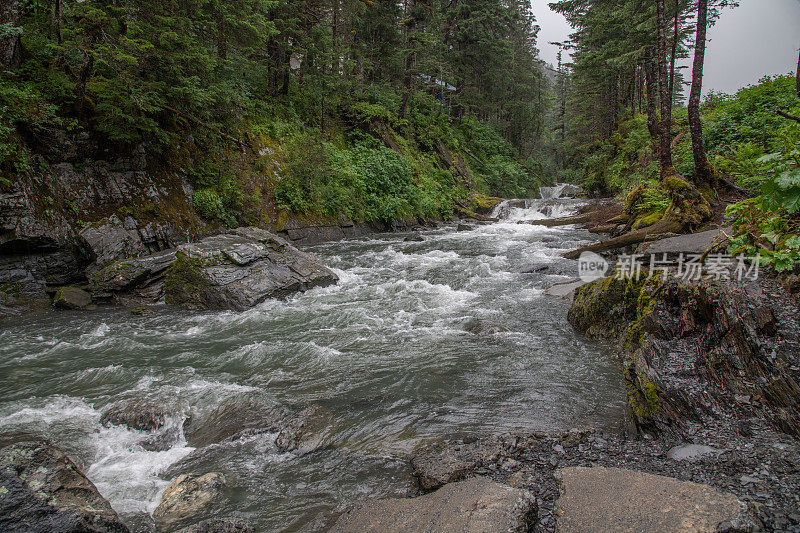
[387,351]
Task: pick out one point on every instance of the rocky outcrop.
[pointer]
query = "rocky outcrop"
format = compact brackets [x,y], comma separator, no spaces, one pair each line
[477,505]
[695,350]
[71,298]
[42,491]
[190,499]
[613,499]
[240,270]
[310,430]
[230,420]
[236,270]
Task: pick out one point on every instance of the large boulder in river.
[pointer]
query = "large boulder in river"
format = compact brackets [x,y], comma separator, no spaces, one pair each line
[72,298]
[41,490]
[190,499]
[477,505]
[235,271]
[230,420]
[240,270]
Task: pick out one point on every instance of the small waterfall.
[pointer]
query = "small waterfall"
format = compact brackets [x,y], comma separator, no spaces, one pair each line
[551,193]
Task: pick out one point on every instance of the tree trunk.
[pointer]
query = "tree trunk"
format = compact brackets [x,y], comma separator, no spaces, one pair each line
[665,128]
[797,75]
[651,93]
[408,77]
[674,54]
[10,49]
[703,173]
[58,17]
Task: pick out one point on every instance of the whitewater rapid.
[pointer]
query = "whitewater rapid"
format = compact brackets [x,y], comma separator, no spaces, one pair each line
[388,350]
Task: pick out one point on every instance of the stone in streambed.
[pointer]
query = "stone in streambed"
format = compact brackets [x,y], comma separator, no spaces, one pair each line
[232,419]
[42,491]
[414,237]
[71,298]
[481,327]
[463,227]
[477,505]
[188,499]
[310,430]
[613,499]
[439,464]
[135,414]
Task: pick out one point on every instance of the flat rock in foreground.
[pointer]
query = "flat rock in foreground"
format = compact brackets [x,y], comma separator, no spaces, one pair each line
[613,499]
[476,505]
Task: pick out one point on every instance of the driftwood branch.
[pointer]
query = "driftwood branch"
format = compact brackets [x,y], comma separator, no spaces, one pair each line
[629,239]
[784,114]
[206,125]
[563,221]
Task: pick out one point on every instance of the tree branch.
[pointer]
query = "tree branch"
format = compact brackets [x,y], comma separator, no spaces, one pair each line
[205,125]
[784,114]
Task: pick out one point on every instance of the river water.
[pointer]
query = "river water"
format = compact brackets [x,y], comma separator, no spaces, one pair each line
[388,351]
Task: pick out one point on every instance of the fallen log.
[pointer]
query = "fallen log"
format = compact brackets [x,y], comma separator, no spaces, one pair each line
[563,221]
[629,239]
[604,228]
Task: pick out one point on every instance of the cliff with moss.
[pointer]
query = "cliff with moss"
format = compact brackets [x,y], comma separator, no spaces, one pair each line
[699,351]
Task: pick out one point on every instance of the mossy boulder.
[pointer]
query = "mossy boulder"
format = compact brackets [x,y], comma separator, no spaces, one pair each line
[483,204]
[240,270]
[72,298]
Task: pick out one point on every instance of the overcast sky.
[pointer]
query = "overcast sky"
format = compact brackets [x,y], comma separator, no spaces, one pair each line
[760,37]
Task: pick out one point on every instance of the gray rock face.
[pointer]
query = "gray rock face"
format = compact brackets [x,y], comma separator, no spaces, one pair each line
[612,499]
[41,490]
[139,415]
[310,430]
[230,420]
[477,505]
[190,499]
[440,464]
[701,349]
[240,270]
[72,298]
[234,271]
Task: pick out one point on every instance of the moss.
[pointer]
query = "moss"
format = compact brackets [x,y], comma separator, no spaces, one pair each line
[483,202]
[643,399]
[187,286]
[645,221]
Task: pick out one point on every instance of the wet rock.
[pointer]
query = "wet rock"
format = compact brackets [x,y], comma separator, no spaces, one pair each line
[694,347]
[42,491]
[135,414]
[414,237]
[141,311]
[231,419]
[72,298]
[481,327]
[308,431]
[216,525]
[439,464]
[189,499]
[111,241]
[240,270]
[613,499]
[478,505]
[692,452]
[464,227]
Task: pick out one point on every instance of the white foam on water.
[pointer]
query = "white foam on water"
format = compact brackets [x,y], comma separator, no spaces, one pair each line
[112,458]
